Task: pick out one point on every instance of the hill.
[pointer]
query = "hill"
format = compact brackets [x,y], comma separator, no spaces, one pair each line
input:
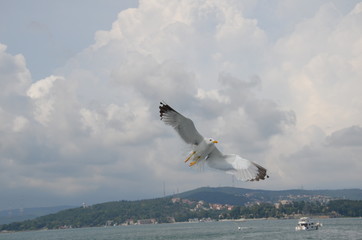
[202,203]
[159,210]
[242,196]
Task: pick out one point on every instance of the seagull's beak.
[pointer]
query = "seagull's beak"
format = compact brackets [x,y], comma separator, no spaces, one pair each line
[215,141]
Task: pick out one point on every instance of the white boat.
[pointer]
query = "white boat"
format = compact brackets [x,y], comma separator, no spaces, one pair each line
[305,223]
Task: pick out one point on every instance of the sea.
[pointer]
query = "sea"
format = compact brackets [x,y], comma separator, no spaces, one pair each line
[336,228]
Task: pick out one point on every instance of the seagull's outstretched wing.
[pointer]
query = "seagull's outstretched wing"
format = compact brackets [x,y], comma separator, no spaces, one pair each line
[241,168]
[183,126]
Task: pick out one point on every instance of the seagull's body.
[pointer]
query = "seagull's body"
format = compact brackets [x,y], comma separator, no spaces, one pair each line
[204,149]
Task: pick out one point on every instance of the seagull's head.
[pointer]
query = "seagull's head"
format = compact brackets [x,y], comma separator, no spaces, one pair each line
[211,141]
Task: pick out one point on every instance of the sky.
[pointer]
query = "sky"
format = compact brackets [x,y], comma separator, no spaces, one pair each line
[277,82]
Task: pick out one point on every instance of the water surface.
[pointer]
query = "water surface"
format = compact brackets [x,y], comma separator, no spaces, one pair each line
[340,228]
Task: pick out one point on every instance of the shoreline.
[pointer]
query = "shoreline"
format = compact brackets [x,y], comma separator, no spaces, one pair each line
[223,220]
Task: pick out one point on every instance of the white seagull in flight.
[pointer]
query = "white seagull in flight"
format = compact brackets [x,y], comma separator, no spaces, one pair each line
[204,149]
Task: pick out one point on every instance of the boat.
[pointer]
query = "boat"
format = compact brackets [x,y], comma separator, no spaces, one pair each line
[305,223]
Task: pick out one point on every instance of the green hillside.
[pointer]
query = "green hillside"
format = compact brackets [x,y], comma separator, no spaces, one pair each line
[232,203]
[161,210]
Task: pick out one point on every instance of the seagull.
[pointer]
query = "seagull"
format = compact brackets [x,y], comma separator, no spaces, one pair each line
[204,149]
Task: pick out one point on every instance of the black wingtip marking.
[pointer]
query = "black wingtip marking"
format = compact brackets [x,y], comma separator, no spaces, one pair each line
[261,173]
[164,108]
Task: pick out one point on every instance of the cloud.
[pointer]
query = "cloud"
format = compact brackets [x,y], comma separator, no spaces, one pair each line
[43,98]
[347,137]
[15,77]
[317,64]
[92,129]
[337,157]
[317,75]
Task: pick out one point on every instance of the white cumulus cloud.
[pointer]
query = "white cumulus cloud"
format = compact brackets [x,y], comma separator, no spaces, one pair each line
[287,99]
